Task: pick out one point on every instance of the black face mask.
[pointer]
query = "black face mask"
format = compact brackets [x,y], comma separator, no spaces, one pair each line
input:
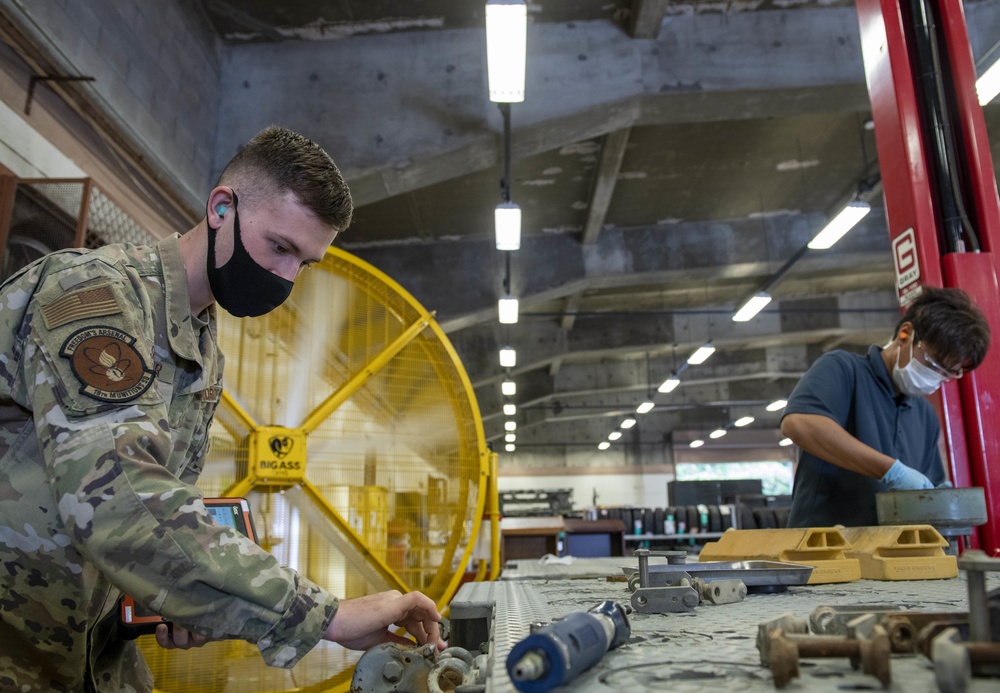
[241,286]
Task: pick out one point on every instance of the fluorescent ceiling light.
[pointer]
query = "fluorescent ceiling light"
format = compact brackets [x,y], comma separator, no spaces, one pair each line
[508,387]
[777,404]
[604,445]
[508,357]
[506,45]
[785,442]
[509,410]
[840,225]
[510,447]
[696,443]
[510,437]
[701,355]
[507,222]
[644,407]
[717,433]
[510,425]
[670,384]
[614,435]
[988,86]
[743,421]
[753,306]
[507,307]
[628,423]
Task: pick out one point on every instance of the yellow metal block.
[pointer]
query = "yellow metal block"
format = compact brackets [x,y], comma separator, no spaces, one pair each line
[901,552]
[821,547]
[278,454]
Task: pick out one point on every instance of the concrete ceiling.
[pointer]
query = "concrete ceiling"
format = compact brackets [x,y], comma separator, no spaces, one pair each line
[669,159]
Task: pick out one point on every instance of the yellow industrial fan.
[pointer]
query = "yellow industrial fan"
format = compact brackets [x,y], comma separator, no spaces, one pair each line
[350,424]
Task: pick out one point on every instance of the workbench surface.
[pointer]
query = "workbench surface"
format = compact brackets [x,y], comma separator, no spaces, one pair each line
[712,648]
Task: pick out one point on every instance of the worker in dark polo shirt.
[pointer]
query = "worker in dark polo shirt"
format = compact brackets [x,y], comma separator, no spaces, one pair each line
[862,422]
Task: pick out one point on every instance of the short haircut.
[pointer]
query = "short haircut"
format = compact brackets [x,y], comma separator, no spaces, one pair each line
[279,160]
[951,324]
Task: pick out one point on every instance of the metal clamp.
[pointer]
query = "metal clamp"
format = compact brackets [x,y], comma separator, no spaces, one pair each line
[681,592]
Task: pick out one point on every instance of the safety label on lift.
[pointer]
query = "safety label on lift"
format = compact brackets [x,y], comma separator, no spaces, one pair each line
[904,255]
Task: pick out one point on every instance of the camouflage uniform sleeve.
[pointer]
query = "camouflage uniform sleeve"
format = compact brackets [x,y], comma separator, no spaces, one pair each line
[104,437]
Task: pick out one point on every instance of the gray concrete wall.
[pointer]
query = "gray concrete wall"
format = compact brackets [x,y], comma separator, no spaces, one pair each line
[375,90]
[983,21]
[157,68]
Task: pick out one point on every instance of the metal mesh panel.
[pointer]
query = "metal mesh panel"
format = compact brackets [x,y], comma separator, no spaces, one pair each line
[62,198]
[108,223]
[43,220]
[399,459]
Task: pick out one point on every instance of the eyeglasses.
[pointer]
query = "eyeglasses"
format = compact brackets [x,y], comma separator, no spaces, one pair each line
[937,367]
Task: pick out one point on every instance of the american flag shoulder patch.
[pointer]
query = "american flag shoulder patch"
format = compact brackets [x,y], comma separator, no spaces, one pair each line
[76,305]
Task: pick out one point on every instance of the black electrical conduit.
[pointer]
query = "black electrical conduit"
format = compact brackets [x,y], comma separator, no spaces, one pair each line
[937,118]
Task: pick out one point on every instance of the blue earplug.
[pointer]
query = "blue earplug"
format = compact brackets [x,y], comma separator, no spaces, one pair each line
[221,210]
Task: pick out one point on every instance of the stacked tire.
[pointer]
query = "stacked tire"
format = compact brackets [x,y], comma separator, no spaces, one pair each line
[696,519]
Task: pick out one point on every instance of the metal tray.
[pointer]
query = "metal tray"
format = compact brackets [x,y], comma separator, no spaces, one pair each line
[751,573]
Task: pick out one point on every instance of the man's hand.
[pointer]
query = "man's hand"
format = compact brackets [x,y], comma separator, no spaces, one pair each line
[176,638]
[903,478]
[364,622]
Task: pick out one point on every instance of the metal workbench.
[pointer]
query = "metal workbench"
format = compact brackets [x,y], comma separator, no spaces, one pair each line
[712,648]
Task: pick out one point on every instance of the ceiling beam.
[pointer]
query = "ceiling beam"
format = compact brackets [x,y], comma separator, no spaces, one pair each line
[571,303]
[484,152]
[647,17]
[612,153]
[667,267]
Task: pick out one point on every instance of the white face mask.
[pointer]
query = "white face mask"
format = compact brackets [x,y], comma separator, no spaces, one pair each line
[916,378]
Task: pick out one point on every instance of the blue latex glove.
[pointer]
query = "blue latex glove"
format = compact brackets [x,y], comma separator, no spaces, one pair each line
[945,484]
[903,478]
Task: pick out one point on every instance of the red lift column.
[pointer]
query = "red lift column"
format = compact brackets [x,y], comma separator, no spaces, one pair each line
[968,408]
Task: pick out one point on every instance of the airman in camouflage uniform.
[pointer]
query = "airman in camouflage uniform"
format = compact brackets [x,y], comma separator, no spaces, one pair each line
[109,376]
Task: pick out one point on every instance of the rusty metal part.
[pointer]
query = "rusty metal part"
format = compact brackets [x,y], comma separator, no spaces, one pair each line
[903,627]
[926,635]
[956,661]
[871,655]
[788,623]
[457,667]
[902,633]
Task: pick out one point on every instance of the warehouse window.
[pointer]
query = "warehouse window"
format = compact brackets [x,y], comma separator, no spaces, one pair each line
[776,477]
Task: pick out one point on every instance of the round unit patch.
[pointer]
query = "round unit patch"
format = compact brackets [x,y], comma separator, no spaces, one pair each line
[105,361]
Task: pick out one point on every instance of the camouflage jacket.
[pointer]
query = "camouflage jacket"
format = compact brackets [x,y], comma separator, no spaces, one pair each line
[107,389]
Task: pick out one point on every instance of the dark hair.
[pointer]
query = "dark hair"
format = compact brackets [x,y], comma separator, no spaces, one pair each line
[277,158]
[951,324]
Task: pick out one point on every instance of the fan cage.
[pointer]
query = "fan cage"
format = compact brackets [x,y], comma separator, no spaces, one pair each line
[402,460]
[400,463]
